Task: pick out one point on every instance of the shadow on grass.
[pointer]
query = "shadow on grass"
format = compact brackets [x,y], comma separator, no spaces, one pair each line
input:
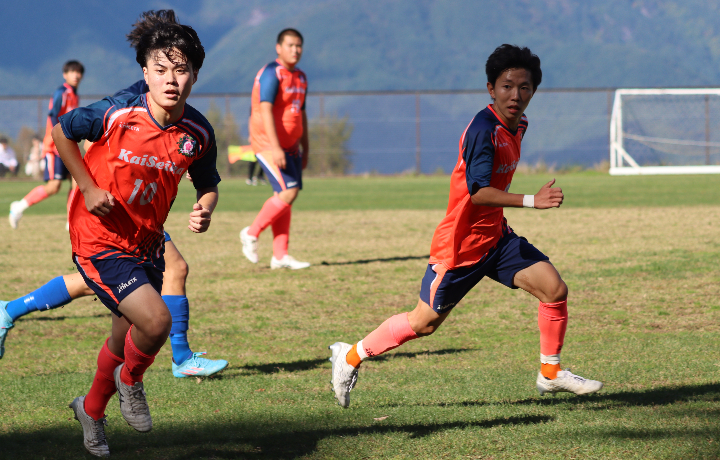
[63,318]
[283,440]
[308,364]
[661,396]
[368,261]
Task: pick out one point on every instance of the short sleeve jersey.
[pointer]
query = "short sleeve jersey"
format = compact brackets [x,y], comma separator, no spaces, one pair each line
[64,100]
[489,155]
[286,90]
[140,163]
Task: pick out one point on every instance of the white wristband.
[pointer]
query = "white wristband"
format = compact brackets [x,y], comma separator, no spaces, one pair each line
[529,201]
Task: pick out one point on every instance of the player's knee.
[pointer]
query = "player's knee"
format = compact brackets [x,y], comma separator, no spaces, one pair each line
[158,328]
[289,195]
[52,187]
[559,292]
[424,329]
[177,272]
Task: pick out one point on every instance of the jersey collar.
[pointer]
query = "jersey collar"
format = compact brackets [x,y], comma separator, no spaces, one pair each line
[149,111]
[501,122]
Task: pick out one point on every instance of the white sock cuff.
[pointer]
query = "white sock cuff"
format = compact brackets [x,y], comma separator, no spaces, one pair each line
[550,359]
[361,351]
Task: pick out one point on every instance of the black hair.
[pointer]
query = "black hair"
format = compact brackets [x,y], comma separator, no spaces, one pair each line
[159,32]
[3,140]
[507,57]
[292,32]
[71,66]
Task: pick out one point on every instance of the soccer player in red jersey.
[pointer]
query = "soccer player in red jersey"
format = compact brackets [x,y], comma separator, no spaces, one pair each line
[474,240]
[64,100]
[279,137]
[128,181]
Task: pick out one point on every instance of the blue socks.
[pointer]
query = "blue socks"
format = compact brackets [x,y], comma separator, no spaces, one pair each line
[180,312]
[52,295]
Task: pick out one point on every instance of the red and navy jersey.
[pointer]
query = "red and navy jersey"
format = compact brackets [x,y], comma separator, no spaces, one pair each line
[286,90]
[64,100]
[489,154]
[141,164]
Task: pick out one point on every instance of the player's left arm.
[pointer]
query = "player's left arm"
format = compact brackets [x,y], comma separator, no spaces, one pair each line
[207,199]
[304,140]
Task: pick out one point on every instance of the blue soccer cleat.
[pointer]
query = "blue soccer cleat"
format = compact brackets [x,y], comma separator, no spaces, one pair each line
[5,325]
[195,366]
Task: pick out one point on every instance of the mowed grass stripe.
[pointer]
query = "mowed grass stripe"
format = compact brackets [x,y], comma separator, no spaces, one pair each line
[582,190]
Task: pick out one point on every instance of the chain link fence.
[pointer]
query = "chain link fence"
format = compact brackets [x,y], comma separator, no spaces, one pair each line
[402,132]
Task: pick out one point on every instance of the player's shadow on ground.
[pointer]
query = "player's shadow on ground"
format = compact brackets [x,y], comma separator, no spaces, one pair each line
[661,396]
[247,439]
[63,318]
[368,261]
[308,364]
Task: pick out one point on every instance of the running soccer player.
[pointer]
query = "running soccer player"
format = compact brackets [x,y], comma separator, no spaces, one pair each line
[64,100]
[128,180]
[279,137]
[474,240]
[63,289]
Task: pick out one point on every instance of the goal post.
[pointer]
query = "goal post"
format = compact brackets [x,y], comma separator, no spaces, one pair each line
[665,131]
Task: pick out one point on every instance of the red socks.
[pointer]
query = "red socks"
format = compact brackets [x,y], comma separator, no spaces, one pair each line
[103,386]
[136,362]
[36,195]
[552,321]
[273,208]
[281,232]
[391,334]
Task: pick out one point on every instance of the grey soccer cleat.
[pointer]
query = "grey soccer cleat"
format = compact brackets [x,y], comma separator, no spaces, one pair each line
[93,430]
[344,376]
[569,382]
[133,404]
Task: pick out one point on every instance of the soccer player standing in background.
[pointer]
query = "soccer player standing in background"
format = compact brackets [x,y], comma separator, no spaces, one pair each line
[64,100]
[128,181]
[474,240]
[279,138]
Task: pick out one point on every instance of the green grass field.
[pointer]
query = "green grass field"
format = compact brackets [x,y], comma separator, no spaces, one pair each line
[639,254]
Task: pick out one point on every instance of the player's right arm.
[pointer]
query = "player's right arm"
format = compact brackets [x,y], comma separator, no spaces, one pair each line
[547,197]
[98,201]
[278,154]
[76,125]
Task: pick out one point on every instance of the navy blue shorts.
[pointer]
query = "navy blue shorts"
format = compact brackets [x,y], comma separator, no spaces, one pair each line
[55,168]
[442,289]
[113,279]
[282,179]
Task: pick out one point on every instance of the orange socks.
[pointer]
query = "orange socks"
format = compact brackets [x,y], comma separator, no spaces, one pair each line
[273,208]
[552,321]
[36,195]
[549,370]
[353,358]
[281,233]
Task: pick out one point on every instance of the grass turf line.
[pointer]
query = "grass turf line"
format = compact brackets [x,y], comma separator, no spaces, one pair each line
[644,318]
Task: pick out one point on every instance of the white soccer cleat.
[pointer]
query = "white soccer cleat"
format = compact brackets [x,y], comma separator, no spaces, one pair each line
[569,382]
[93,430]
[344,376]
[288,261]
[250,245]
[16,213]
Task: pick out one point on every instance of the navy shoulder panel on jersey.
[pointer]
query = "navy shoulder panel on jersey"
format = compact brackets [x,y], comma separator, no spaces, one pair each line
[137,88]
[93,121]
[479,150]
[269,83]
[204,169]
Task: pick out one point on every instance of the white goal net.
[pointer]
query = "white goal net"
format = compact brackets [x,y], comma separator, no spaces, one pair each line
[665,131]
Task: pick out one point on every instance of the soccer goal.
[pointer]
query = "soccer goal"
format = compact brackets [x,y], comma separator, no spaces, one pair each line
[665,131]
